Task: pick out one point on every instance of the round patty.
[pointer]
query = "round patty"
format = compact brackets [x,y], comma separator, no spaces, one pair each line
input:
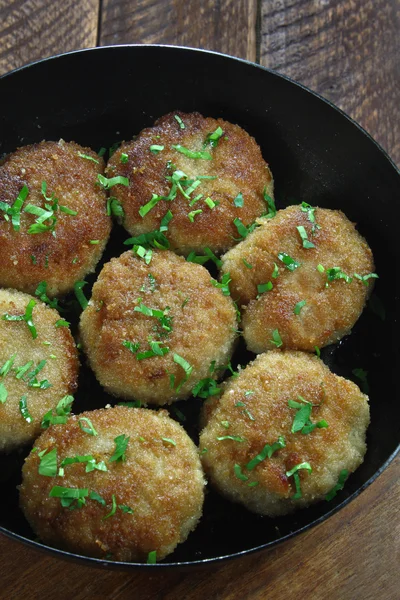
[231,181]
[147,497]
[254,419]
[153,331]
[60,242]
[298,295]
[35,372]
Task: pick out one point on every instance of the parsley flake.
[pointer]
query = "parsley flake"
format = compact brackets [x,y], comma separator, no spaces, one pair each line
[343,475]
[121,444]
[27,317]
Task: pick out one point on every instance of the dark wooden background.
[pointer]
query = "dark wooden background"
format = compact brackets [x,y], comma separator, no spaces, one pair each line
[348,51]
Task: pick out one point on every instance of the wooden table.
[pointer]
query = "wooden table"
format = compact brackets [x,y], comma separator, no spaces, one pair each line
[348,51]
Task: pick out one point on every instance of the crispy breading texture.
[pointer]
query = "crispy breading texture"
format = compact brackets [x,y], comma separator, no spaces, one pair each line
[67,256]
[254,410]
[331,307]
[159,481]
[236,167]
[54,345]
[199,326]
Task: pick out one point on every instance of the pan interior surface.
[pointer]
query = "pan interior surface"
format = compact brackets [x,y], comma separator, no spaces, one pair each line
[316,154]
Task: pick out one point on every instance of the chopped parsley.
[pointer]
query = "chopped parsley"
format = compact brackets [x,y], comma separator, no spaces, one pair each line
[69,497]
[294,472]
[88,428]
[246,264]
[23,409]
[205,388]
[179,121]
[214,137]
[223,285]
[288,261]
[193,213]
[264,287]
[87,157]
[48,463]
[3,393]
[62,323]
[304,237]
[80,296]
[123,158]
[365,278]
[237,469]
[113,509]
[132,346]
[276,339]
[106,183]
[63,410]
[343,475]
[114,207]
[270,204]
[156,149]
[186,366]
[238,201]
[152,556]
[6,368]
[169,441]
[202,154]
[301,421]
[27,317]
[242,229]
[307,208]
[234,438]
[121,444]
[337,273]
[266,452]
[14,211]
[299,306]
[41,292]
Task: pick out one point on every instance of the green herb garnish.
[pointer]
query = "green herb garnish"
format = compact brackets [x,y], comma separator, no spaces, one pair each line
[63,410]
[288,261]
[121,444]
[343,475]
[87,157]
[276,339]
[48,463]
[106,183]
[299,306]
[88,428]
[304,237]
[23,409]
[27,317]
[266,452]
[202,154]
[80,296]
[238,201]
[270,204]
[156,149]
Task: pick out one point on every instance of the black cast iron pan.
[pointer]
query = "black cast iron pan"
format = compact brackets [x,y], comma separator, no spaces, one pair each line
[316,153]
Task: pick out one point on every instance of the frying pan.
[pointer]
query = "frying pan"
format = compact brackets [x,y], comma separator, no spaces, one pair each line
[316,153]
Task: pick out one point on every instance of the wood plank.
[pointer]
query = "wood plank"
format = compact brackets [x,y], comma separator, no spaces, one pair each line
[227,26]
[34,29]
[348,51]
[355,554]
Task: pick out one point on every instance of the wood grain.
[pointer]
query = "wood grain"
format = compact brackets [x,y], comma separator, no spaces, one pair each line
[352,556]
[34,29]
[227,26]
[347,50]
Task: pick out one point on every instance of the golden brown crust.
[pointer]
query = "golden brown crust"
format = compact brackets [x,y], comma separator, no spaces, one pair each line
[26,259]
[53,344]
[237,163]
[203,323]
[255,408]
[161,482]
[330,311]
